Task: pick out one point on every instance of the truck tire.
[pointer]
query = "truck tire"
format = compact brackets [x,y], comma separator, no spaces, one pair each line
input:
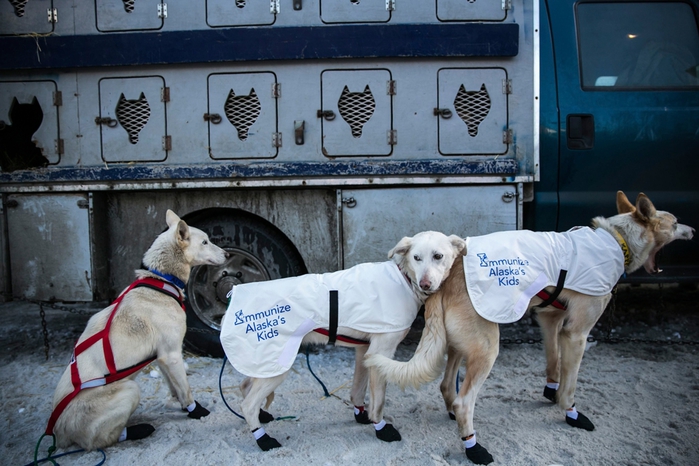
[258,251]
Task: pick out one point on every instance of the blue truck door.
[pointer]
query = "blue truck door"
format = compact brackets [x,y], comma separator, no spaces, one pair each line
[628,101]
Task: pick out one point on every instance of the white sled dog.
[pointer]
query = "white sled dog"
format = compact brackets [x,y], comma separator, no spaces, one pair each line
[96,394]
[454,321]
[375,304]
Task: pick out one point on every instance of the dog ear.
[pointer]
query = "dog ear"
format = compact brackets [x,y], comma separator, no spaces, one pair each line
[182,232]
[171,218]
[459,244]
[623,206]
[645,210]
[402,247]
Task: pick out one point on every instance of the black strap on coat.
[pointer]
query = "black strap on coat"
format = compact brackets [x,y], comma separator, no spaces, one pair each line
[559,287]
[332,329]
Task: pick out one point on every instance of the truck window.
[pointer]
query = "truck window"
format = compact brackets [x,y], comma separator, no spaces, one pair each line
[649,45]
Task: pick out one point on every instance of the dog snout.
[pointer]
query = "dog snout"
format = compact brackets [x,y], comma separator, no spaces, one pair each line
[425,284]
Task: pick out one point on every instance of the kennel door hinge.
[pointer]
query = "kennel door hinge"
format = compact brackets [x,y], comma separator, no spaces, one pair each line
[162,10]
[52,15]
[391,87]
[274,7]
[390,5]
[508,136]
[506,5]
[507,86]
[57,98]
[58,144]
[276,90]
[167,143]
[392,137]
[165,94]
[276,139]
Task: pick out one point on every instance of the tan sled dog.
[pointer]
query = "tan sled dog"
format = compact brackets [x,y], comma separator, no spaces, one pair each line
[424,260]
[454,325]
[97,394]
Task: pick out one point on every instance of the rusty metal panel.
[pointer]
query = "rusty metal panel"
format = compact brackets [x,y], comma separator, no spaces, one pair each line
[374,220]
[49,244]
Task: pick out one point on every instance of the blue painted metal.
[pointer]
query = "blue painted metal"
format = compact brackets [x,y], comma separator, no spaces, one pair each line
[254,44]
[263,170]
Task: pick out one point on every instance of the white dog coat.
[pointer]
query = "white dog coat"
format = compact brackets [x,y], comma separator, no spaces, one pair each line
[505,270]
[265,321]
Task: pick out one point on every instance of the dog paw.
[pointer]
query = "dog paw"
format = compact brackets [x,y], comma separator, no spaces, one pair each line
[362,418]
[139,431]
[267,443]
[550,393]
[479,455]
[198,412]
[582,422]
[388,434]
[265,417]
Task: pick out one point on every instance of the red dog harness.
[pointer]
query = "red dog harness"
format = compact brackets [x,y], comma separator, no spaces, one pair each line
[114,374]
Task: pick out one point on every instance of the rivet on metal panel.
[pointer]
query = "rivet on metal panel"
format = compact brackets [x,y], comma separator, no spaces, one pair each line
[214,118]
[299,128]
[298,5]
[329,115]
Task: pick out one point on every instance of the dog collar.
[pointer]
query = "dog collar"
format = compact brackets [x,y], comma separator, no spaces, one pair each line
[624,247]
[170,278]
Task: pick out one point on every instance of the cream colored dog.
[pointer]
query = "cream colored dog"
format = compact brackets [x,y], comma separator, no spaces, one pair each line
[425,259]
[453,325]
[147,322]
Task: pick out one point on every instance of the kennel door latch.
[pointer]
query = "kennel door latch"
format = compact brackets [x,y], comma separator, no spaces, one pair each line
[443,112]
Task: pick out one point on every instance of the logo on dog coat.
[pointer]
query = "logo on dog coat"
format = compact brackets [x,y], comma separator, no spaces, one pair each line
[502,269]
[263,323]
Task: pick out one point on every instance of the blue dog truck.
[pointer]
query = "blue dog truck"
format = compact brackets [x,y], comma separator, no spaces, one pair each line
[311,135]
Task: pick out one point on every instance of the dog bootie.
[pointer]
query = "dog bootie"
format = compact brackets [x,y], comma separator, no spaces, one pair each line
[264,441]
[550,393]
[265,417]
[579,420]
[479,455]
[361,416]
[386,432]
[196,411]
[139,431]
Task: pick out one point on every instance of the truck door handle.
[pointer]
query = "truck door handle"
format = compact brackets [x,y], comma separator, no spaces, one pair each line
[580,131]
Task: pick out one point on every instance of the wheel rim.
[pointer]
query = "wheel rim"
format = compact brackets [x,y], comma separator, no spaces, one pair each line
[209,285]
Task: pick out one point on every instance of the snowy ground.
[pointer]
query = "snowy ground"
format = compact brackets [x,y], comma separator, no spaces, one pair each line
[641,397]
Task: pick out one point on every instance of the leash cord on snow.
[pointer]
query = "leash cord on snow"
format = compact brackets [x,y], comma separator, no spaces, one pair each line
[220,390]
[308,363]
[52,458]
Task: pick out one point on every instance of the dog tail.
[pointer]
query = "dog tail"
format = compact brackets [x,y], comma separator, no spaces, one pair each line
[428,361]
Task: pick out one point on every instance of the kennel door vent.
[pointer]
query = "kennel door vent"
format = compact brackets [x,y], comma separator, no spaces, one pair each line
[242,116]
[25,17]
[29,122]
[475,119]
[361,109]
[132,119]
